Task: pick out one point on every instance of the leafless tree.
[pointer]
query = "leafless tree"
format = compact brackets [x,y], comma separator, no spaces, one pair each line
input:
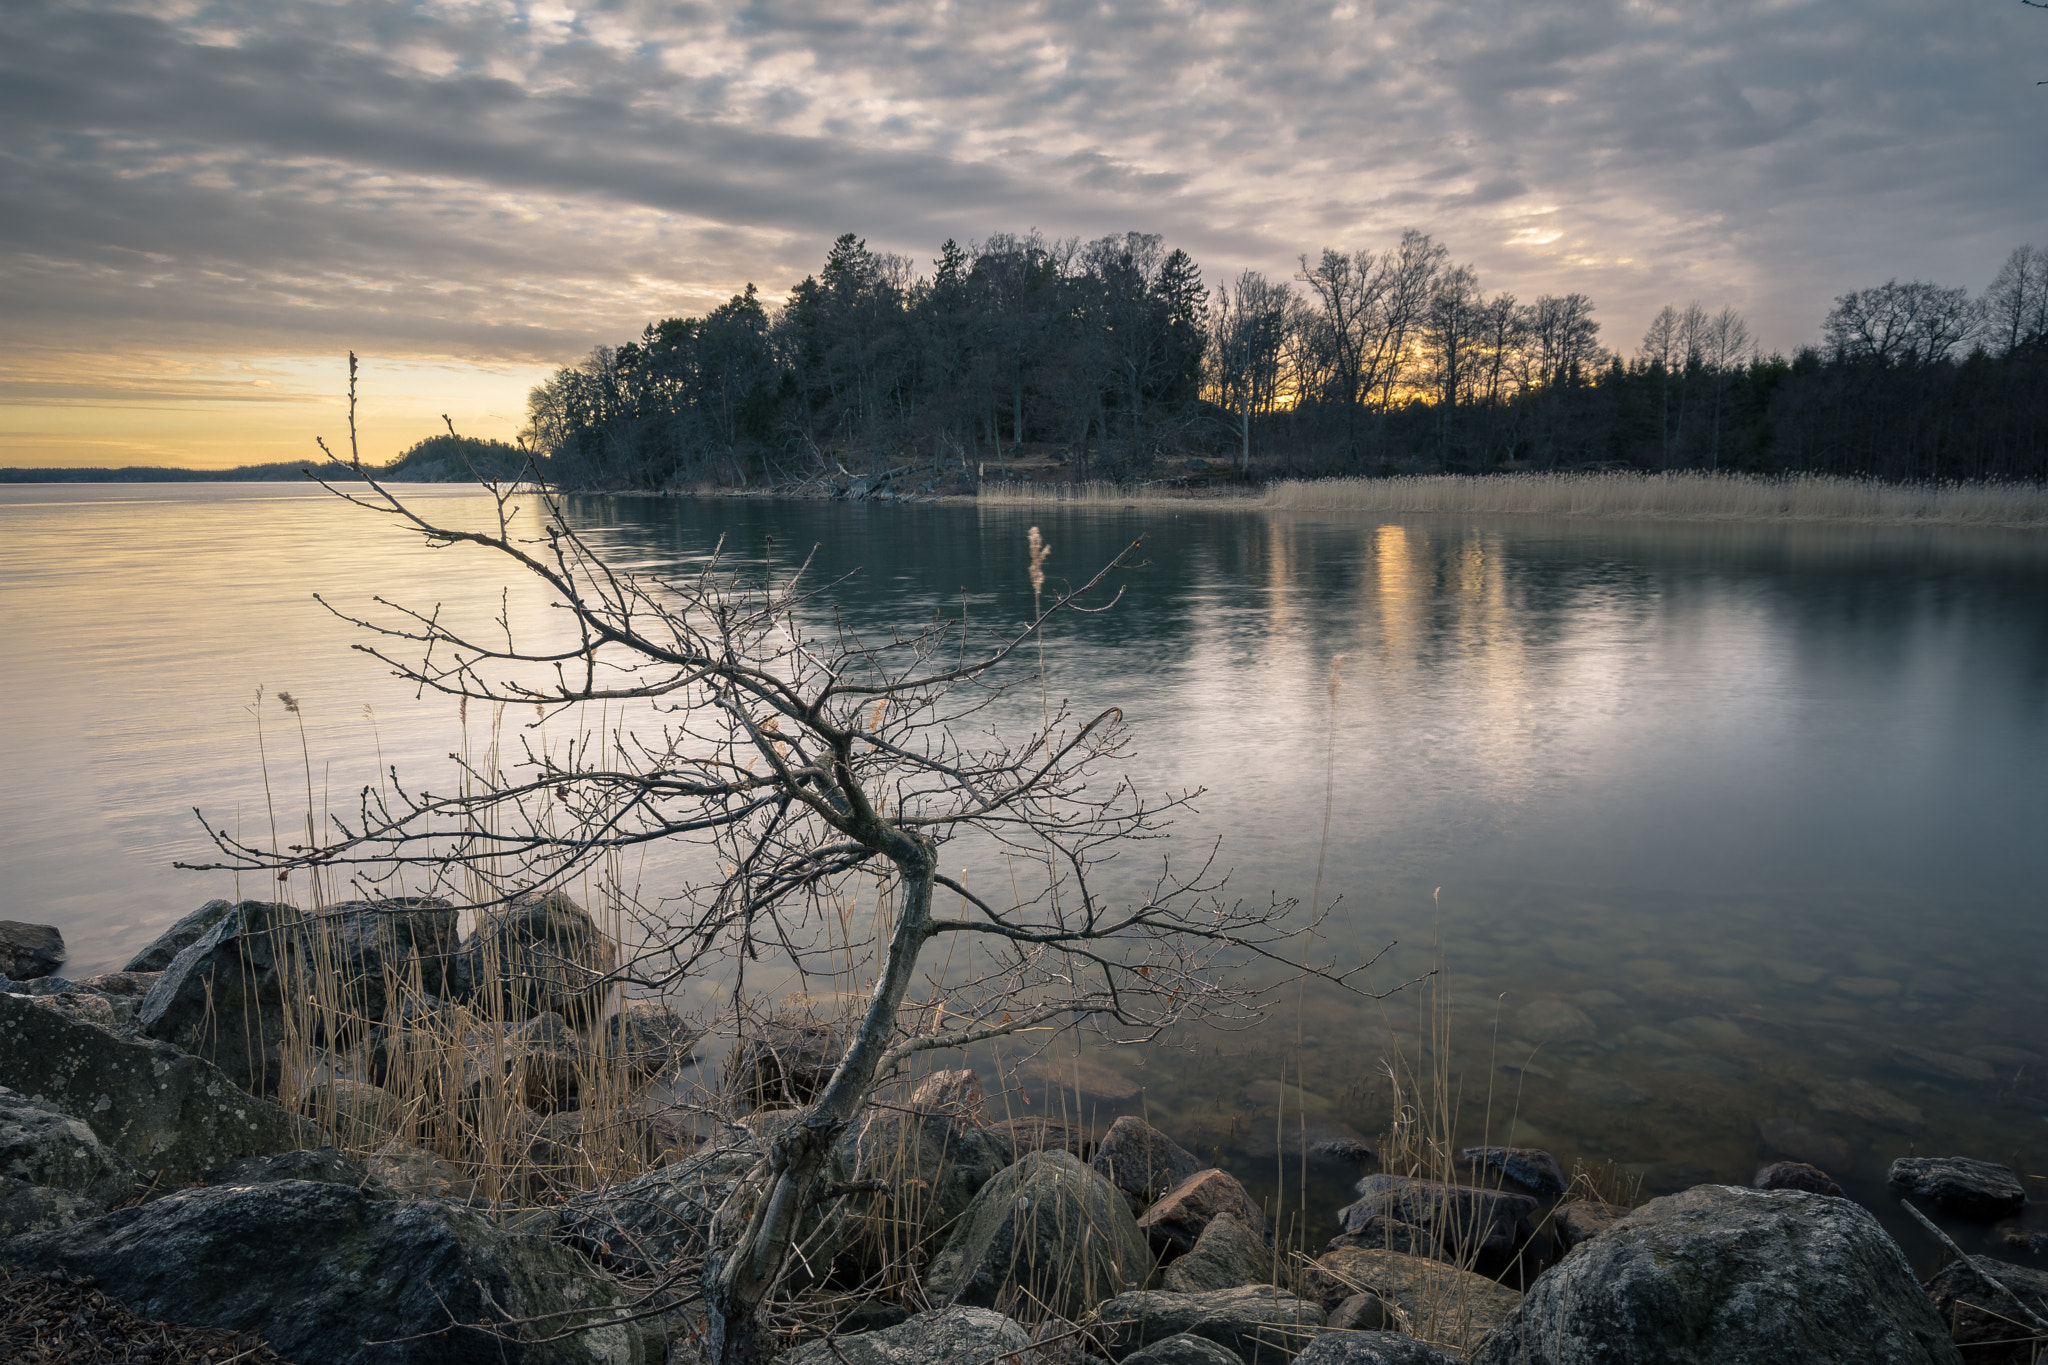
[2016,305]
[807,753]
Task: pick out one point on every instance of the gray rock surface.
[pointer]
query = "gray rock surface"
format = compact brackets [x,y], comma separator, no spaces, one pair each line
[644,1224]
[375,949]
[1794,1175]
[942,1336]
[178,937]
[1228,1255]
[1721,1274]
[1961,1186]
[1463,1220]
[651,1038]
[172,1115]
[934,1165]
[1981,1314]
[1363,1313]
[1183,1348]
[1373,1348]
[42,1145]
[1015,1138]
[322,1271]
[1581,1220]
[41,1208]
[1047,1224]
[1531,1168]
[540,954]
[1142,1161]
[222,998]
[28,951]
[1261,1326]
[1175,1222]
[1436,1302]
[958,1091]
[321,1165]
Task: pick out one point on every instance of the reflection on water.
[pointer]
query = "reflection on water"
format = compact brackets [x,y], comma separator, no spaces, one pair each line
[1737,828]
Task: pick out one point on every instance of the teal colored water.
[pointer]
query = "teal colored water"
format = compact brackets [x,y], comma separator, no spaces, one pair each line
[1728,837]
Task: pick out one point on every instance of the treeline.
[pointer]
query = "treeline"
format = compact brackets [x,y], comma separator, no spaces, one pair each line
[438,459]
[1115,353]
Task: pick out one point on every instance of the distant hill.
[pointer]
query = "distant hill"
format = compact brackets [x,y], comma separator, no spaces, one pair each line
[438,459]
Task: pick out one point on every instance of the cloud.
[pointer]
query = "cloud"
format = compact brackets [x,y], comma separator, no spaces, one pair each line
[516,182]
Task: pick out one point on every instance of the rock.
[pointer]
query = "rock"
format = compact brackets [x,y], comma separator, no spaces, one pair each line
[321,1270]
[540,954]
[321,1165]
[1794,1175]
[416,1173]
[82,1007]
[1183,1348]
[1016,1138]
[41,1208]
[1094,1080]
[2010,1058]
[123,985]
[1439,1303]
[934,1165]
[360,1115]
[1603,1091]
[1049,1226]
[1960,1186]
[1815,1146]
[1866,987]
[1363,1313]
[41,1145]
[1948,1066]
[954,1092]
[1464,1220]
[222,998]
[1720,1274]
[538,1064]
[1981,1315]
[1227,1255]
[1391,1234]
[1142,1161]
[1373,1348]
[1261,1326]
[1532,1168]
[942,1336]
[1347,1150]
[1709,1029]
[784,1060]
[1860,1099]
[1174,1224]
[647,1223]
[28,951]
[1557,1021]
[372,951]
[1300,1140]
[650,1038]
[172,1115]
[2032,1241]
[179,937]
[1581,1220]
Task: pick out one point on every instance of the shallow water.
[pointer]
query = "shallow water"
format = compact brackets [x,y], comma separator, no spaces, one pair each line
[1760,803]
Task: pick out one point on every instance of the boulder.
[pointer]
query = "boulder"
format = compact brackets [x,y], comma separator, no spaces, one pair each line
[1436,1302]
[1720,1273]
[1465,1221]
[1174,1224]
[540,954]
[179,937]
[360,1115]
[1363,1313]
[415,1173]
[223,996]
[321,1165]
[1261,1326]
[172,1115]
[1183,1348]
[1015,1138]
[42,1145]
[1373,1348]
[85,1007]
[1794,1175]
[1976,1299]
[1391,1234]
[943,1336]
[537,1064]
[1227,1255]
[956,1092]
[122,985]
[650,1039]
[647,1223]
[1142,1161]
[1961,1186]
[1046,1225]
[322,1271]
[1531,1168]
[41,1208]
[1581,1220]
[374,952]
[1558,1021]
[28,951]
[933,1165]
[1081,1080]
[785,1059]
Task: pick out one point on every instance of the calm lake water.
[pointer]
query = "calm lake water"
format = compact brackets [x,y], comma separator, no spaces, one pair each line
[1707,822]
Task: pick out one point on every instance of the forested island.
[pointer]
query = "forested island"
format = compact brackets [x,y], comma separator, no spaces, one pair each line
[438,459]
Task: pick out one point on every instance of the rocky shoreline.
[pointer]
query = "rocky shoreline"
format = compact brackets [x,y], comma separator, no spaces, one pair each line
[142,1161]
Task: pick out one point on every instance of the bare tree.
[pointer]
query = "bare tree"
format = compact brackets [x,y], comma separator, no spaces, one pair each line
[1727,344]
[1248,329]
[2016,306]
[806,752]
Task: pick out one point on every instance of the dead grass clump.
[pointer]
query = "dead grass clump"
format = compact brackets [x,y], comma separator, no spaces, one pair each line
[49,1318]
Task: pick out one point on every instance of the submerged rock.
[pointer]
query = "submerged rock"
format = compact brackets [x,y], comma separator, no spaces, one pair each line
[1047,1225]
[1720,1274]
[1558,1021]
[1532,1168]
[1961,1186]
[28,951]
[1794,1175]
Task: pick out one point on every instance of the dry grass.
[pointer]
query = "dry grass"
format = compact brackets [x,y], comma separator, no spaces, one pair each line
[1685,496]
[53,1319]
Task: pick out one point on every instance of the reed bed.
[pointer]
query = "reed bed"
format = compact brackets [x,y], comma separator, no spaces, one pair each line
[1680,496]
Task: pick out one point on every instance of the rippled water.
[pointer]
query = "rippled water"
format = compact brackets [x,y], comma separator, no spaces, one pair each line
[1708,822]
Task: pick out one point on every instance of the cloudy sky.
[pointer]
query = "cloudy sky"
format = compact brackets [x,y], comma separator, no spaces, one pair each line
[204,205]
